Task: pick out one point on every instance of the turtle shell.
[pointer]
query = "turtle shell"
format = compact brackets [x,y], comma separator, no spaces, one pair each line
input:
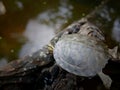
[80,54]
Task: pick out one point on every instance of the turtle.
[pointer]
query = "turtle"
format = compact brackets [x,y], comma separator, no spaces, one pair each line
[82,56]
[78,49]
[81,50]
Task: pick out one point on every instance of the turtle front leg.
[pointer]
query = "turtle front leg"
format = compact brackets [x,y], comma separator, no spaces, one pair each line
[107,81]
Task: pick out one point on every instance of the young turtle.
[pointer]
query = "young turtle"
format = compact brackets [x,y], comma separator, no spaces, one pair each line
[82,56]
[83,53]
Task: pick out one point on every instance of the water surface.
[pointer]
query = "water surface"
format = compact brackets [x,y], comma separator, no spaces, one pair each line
[28,25]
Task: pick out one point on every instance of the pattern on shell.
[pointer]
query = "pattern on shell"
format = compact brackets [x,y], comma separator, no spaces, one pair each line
[80,54]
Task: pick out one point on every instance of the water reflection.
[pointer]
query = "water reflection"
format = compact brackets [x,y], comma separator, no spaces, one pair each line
[3,62]
[2,8]
[41,30]
[105,13]
[56,17]
[116,30]
[19,4]
[38,35]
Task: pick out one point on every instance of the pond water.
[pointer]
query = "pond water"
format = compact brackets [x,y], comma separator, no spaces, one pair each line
[27,25]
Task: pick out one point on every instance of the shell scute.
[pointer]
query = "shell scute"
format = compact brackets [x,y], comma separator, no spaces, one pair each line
[80,55]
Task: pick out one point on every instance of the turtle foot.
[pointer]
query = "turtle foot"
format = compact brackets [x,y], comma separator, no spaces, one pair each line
[107,81]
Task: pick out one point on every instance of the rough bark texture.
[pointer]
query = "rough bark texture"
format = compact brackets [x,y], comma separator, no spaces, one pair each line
[52,77]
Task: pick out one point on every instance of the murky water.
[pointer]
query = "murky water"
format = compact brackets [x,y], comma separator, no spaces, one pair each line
[28,25]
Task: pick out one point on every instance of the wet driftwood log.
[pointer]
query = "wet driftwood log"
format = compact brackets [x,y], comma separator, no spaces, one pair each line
[39,72]
[30,74]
